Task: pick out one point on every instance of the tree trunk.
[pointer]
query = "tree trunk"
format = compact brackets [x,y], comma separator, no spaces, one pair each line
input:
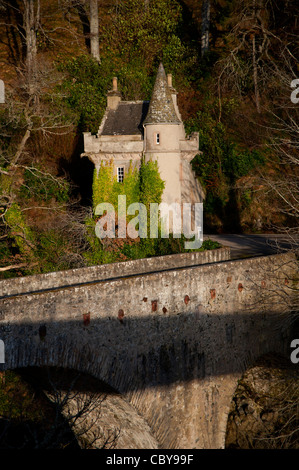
[205,26]
[13,266]
[31,24]
[21,146]
[255,80]
[94,30]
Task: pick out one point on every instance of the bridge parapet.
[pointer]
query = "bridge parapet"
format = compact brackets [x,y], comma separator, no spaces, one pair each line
[80,276]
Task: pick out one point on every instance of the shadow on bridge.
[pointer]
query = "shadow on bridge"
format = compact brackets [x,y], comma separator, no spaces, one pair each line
[170,380]
[137,353]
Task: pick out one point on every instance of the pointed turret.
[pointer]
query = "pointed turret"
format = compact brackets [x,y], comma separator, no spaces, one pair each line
[161,108]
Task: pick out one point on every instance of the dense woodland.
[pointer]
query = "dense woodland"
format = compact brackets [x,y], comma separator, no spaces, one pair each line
[233,64]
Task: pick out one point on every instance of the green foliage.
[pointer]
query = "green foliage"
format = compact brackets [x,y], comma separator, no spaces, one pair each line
[16,399]
[106,188]
[19,230]
[222,161]
[151,184]
[43,186]
[130,185]
[138,38]
[139,186]
[135,80]
[151,190]
[134,42]
[102,183]
[238,163]
[135,28]
[85,85]
[149,247]
[145,186]
[51,251]
[96,254]
[246,197]
[5,184]
[210,245]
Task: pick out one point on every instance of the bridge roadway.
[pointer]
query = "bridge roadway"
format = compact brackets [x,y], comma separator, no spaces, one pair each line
[245,245]
[170,336]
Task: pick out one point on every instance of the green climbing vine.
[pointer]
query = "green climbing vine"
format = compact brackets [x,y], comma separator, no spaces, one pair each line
[21,234]
[139,186]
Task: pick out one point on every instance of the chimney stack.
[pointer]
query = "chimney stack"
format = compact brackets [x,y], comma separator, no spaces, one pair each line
[173,94]
[114,84]
[113,96]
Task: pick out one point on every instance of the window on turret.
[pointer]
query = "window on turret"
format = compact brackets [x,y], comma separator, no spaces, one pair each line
[157,139]
[120,174]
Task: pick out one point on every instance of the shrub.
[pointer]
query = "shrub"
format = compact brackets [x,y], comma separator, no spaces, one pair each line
[43,186]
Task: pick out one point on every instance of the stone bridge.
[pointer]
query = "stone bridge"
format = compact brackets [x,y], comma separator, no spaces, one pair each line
[170,335]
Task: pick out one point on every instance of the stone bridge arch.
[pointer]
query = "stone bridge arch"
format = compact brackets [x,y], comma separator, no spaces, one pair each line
[173,341]
[107,419]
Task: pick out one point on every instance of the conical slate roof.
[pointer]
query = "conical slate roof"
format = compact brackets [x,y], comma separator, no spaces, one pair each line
[161,108]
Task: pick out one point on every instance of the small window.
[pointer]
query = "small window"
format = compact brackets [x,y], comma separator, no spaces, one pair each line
[120,174]
[157,139]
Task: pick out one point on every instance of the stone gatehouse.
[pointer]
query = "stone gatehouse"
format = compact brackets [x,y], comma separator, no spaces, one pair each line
[151,129]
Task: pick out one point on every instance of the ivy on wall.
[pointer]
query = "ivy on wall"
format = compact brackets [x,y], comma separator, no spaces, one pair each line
[106,188]
[151,184]
[144,185]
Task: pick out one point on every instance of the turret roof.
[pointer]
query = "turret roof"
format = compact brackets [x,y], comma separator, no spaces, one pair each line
[161,108]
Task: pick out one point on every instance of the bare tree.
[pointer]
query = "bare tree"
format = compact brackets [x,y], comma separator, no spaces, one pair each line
[88,13]
[205,26]
[81,411]
[31,18]
[94,30]
[283,143]
[24,18]
[250,42]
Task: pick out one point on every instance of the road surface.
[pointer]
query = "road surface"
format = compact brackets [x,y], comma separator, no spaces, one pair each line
[243,246]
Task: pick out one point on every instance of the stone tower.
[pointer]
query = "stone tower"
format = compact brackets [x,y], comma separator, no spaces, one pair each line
[163,132]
